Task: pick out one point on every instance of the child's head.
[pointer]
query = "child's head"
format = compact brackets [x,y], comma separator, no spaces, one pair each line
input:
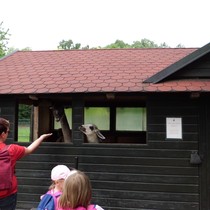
[77,190]
[58,174]
[4,125]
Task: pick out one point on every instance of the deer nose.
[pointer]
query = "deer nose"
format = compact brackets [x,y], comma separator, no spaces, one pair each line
[82,128]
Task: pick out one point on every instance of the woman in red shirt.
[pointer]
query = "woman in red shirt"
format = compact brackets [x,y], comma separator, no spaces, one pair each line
[8,197]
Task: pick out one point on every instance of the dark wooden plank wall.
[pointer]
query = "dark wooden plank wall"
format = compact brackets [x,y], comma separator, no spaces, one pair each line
[155,176]
[197,69]
[178,151]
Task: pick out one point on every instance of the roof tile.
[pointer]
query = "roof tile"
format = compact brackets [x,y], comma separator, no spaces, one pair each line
[76,71]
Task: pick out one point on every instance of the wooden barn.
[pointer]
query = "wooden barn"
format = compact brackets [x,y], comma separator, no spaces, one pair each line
[152,105]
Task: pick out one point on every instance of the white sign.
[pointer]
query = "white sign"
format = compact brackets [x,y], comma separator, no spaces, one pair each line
[173,128]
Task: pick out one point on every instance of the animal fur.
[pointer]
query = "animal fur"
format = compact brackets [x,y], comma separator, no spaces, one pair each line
[60,116]
[92,133]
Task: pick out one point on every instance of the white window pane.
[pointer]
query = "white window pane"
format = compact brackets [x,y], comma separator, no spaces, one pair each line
[131,119]
[98,116]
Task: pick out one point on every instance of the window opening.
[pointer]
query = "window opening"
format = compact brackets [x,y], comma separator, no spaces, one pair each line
[24,123]
[130,119]
[68,113]
[117,124]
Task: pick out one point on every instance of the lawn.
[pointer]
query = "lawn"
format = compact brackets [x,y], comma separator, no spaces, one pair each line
[23,133]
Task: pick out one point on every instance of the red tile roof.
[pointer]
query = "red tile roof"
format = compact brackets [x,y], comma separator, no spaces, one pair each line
[74,71]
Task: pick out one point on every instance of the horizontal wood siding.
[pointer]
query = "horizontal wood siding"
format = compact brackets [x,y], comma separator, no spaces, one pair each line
[197,69]
[132,178]
[156,176]
[174,150]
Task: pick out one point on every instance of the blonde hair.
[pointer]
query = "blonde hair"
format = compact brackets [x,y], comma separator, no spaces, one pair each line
[77,191]
[52,186]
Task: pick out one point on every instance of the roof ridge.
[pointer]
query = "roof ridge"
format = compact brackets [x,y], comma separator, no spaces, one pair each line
[109,49]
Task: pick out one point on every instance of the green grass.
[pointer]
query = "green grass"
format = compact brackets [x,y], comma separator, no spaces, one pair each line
[23,134]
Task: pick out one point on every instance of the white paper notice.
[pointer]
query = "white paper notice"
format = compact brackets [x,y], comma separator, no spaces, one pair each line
[174,128]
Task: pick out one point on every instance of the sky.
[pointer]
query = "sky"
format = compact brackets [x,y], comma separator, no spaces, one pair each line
[42,24]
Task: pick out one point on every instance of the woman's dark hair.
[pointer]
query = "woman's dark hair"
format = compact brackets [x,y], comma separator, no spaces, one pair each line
[4,125]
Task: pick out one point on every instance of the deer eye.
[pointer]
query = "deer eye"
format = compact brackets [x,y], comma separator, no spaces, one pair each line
[91,128]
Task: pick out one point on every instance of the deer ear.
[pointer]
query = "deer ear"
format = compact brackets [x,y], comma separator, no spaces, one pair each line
[99,134]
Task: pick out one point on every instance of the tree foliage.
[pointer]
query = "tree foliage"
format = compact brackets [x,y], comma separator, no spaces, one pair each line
[12,49]
[4,37]
[117,44]
[143,43]
[26,49]
[68,45]
[24,111]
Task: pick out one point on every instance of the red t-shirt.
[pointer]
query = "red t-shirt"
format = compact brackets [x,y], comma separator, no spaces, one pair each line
[16,152]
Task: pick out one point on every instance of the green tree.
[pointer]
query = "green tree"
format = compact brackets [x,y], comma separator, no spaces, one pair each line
[68,45]
[24,111]
[4,34]
[12,49]
[117,44]
[87,47]
[163,45]
[26,49]
[180,46]
[144,43]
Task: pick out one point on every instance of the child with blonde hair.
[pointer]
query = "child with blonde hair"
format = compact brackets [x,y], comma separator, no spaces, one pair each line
[49,200]
[77,193]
